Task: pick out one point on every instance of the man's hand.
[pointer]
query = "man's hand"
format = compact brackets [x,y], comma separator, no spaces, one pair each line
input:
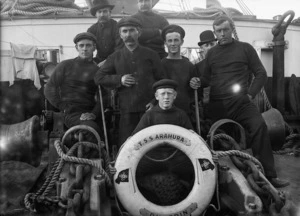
[250,97]
[195,83]
[149,106]
[112,169]
[101,63]
[87,116]
[128,80]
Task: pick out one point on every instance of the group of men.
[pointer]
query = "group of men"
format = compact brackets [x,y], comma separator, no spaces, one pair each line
[131,58]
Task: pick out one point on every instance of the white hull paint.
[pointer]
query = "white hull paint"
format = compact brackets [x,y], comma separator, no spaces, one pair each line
[58,32]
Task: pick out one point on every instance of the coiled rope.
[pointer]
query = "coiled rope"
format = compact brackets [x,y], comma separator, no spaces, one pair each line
[238,153]
[37,7]
[57,167]
[68,157]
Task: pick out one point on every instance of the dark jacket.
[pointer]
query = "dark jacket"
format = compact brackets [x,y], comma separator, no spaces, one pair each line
[144,64]
[108,38]
[231,64]
[181,70]
[71,86]
[151,24]
[156,115]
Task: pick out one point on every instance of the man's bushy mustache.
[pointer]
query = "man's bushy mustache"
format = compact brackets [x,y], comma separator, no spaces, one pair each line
[129,39]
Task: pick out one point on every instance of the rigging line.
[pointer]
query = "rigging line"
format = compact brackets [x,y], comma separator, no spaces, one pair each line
[247,8]
[179,3]
[181,6]
[31,36]
[244,7]
[184,5]
[187,5]
[176,7]
[13,6]
[188,2]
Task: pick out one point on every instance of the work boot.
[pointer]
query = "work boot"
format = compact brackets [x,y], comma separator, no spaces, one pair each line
[278,183]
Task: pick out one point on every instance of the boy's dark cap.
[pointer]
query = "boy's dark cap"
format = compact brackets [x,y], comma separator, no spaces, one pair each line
[165,83]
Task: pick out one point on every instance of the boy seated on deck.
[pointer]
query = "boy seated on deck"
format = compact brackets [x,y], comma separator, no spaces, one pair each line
[164,112]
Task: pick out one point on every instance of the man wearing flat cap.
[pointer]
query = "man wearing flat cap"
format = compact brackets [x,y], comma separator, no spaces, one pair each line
[105,30]
[131,70]
[177,67]
[152,26]
[71,87]
[165,112]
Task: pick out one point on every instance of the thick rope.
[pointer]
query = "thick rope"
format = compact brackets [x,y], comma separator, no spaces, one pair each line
[225,136]
[38,7]
[73,159]
[65,3]
[266,99]
[238,153]
[47,186]
[56,170]
[49,11]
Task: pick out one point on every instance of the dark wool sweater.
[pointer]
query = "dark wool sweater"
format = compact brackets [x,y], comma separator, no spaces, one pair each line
[71,86]
[151,24]
[144,64]
[108,37]
[156,115]
[181,70]
[232,64]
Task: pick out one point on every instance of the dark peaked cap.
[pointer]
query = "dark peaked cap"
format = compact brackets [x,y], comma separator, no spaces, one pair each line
[165,83]
[172,28]
[99,4]
[84,35]
[129,21]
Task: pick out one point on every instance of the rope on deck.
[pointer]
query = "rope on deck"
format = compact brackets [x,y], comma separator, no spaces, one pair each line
[37,7]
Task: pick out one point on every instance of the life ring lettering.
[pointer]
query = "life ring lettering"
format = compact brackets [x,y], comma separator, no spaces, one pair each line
[161,136]
[186,141]
[185,212]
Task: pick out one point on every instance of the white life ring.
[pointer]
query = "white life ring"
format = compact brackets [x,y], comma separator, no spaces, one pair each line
[147,139]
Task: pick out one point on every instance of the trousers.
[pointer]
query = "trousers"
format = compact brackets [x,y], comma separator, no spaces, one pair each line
[127,124]
[244,112]
[73,119]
